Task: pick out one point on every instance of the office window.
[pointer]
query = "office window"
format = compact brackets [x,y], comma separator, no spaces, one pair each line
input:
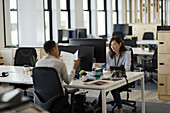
[13,24]
[102,17]
[14,27]
[65,14]
[114,15]
[87,15]
[47,18]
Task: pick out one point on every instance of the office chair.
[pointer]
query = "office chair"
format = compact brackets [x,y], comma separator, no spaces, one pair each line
[131,43]
[152,67]
[127,88]
[25,56]
[119,34]
[148,36]
[48,91]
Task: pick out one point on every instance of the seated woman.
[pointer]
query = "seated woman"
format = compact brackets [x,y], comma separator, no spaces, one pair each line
[117,56]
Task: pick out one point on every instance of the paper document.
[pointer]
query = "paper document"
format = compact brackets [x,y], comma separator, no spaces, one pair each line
[68,59]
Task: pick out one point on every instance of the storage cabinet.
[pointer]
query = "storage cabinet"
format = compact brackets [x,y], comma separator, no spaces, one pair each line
[164,65]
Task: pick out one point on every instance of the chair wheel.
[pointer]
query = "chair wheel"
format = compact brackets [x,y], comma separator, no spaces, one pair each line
[133,110]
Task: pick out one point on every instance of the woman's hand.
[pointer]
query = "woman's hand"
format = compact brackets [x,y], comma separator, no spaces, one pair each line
[108,69]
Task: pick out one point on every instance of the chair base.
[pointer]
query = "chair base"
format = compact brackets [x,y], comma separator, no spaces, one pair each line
[125,102]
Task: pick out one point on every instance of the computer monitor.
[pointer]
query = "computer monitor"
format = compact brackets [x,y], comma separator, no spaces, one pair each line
[86,55]
[81,33]
[130,30]
[63,36]
[99,44]
[124,28]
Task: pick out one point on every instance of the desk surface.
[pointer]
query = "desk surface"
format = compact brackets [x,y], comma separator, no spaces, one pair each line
[16,75]
[131,76]
[146,42]
[139,51]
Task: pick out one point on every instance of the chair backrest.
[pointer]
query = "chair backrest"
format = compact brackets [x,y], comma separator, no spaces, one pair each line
[132,58]
[148,36]
[25,56]
[131,43]
[119,34]
[46,83]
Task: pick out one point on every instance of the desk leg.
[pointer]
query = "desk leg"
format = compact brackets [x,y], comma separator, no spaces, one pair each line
[104,110]
[143,94]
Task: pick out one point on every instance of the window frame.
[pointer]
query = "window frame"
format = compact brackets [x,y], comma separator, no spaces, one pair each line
[89,10]
[68,11]
[105,11]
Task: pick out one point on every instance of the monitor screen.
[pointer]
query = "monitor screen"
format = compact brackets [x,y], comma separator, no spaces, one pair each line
[86,55]
[130,30]
[124,28]
[81,33]
[99,44]
[63,36]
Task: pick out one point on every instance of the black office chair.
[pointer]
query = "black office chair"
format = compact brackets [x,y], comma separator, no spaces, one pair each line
[148,36]
[119,34]
[128,88]
[48,92]
[25,56]
[131,43]
[152,67]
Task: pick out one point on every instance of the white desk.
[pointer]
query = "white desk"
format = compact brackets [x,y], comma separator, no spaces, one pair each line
[131,76]
[139,51]
[17,76]
[146,42]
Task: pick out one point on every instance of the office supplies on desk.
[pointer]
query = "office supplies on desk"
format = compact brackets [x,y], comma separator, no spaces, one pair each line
[4,74]
[98,82]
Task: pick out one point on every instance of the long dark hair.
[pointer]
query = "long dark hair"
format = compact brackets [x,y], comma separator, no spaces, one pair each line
[122,47]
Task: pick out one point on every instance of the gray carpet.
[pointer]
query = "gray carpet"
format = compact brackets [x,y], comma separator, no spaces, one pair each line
[150,107]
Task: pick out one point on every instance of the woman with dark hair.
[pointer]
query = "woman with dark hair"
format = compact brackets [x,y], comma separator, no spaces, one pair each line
[117,56]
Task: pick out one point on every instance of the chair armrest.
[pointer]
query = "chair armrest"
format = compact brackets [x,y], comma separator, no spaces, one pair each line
[72,91]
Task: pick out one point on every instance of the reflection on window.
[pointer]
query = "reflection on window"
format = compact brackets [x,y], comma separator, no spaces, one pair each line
[114,15]
[87,13]
[86,21]
[101,23]
[100,4]
[14,26]
[85,4]
[64,20]
[13,4]
[47,26]
[101,16]
[63,4]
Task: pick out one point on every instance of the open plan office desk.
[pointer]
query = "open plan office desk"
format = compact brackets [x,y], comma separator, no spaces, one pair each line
[147,42]
[17,76]
[131,76]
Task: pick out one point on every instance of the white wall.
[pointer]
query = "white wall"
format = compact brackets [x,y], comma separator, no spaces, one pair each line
[1,26]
